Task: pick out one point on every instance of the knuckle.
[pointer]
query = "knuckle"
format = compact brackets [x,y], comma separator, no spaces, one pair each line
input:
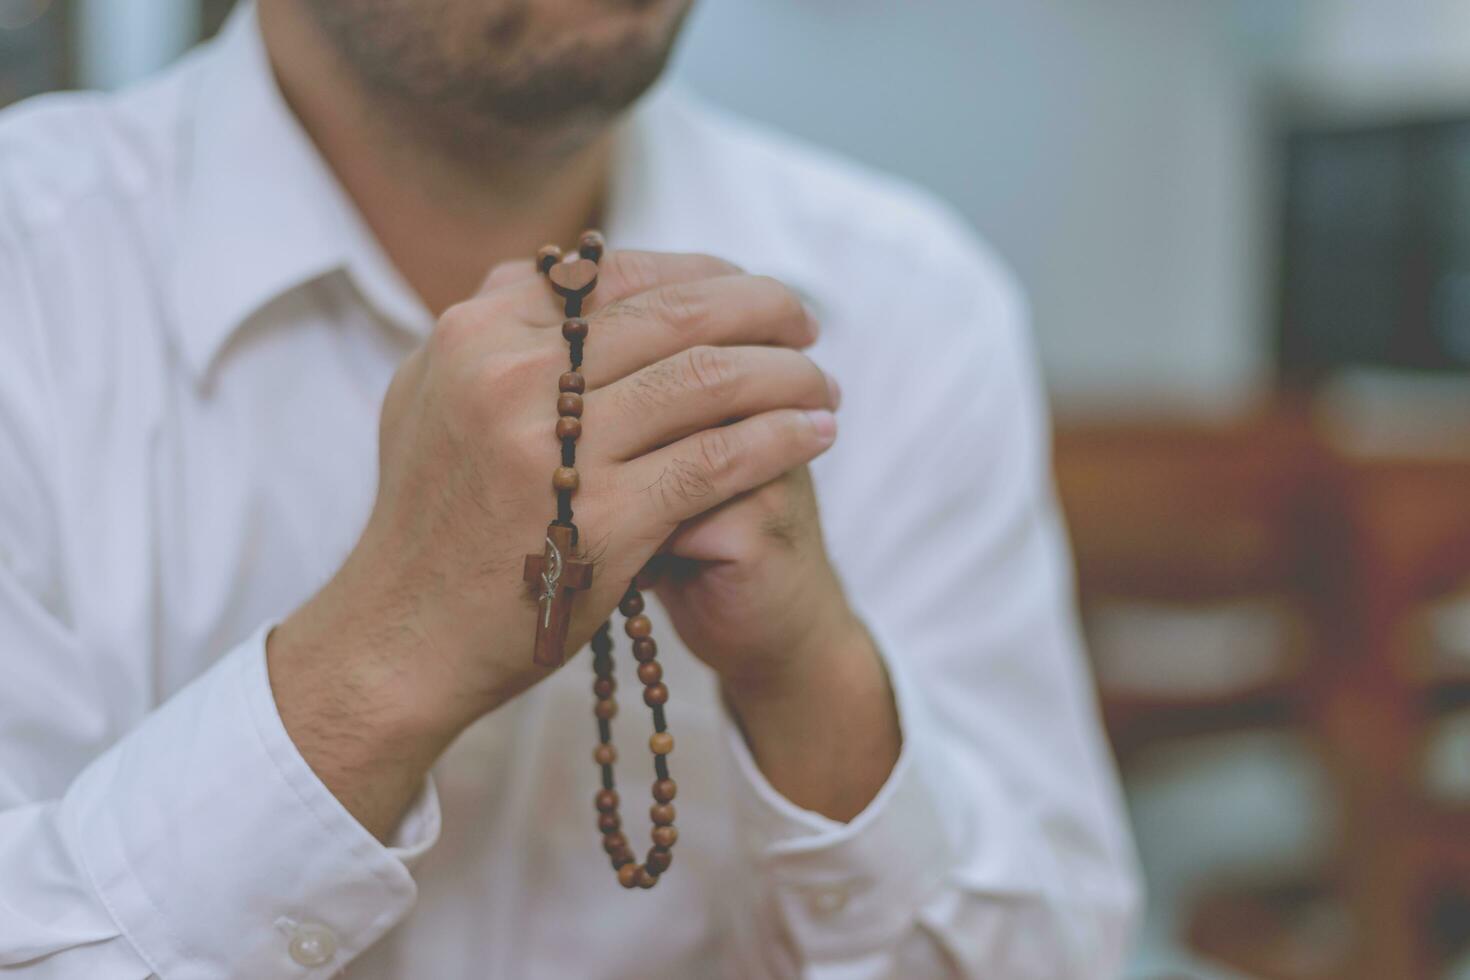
[634,272]
[684,482]
[455,328]
[718,453]
[680,305]
[717,266]
[499,379]
[783,300]
[710,370]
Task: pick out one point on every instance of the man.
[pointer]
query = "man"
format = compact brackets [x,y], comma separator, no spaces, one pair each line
[245,613]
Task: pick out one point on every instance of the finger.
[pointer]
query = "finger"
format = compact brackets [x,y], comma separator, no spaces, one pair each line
[702,471]
[720,312]
[620,274]
[507,273]
[700,388]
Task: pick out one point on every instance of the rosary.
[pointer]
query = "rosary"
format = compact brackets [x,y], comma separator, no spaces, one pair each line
[557,574]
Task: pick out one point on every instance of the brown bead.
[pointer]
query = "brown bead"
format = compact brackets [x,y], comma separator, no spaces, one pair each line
[591,246]
[650,672]
[646,878]
[606,800]
[628,875]
[631,605]
[665,836]
[604,687]
[662,814]
[664,790]
[606,709]
[620,858]
[655,695]
[644,649]
[605,755]
[569,404]
[609,823]
[572,381]
[659,860]
[638,627]
[565,478]
[546,257]
[569,427]
[661,743]
[574,329]
[614,842]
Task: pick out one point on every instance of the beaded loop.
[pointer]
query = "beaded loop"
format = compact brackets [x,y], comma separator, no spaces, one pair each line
[571,386]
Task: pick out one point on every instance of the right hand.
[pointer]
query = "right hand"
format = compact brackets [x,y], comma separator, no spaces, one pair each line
[428,625]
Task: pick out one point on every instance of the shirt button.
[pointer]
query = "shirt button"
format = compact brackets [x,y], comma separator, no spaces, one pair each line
[827,900]
[313,944]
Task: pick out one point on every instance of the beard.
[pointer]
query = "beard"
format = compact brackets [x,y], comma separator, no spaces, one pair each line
[494,78]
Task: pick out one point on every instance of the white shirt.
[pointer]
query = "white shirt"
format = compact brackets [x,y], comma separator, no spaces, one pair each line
[196,332]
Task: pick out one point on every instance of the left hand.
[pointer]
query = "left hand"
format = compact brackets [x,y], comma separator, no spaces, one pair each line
[751,591]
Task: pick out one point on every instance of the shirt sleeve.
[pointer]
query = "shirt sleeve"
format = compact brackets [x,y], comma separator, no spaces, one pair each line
[193,843]
[997,847]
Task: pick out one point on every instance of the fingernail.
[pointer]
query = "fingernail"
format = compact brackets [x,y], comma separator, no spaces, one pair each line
[824,423]
[834,391]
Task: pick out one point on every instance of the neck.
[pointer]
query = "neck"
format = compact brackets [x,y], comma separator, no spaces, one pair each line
[442,220]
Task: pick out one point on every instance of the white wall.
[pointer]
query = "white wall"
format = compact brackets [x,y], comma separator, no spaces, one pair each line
[1108,150]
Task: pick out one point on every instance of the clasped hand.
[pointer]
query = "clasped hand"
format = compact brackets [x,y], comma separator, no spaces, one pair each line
[700,414]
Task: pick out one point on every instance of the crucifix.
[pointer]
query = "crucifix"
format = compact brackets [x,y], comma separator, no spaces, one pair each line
[558,573]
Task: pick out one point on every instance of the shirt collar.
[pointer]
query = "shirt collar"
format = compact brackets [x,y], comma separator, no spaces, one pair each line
[263,213]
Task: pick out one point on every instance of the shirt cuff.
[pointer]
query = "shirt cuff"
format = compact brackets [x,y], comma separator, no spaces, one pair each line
[845,890]
[221,854]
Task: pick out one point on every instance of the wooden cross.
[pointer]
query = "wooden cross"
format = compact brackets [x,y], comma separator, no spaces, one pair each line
[557,573]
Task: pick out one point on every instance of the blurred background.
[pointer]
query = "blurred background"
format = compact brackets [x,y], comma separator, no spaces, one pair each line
[1244,227]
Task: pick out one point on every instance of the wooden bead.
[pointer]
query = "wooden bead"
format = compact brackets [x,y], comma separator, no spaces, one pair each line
[591,246]
[614,842]
[665,836]
[662,814]
[569,403]
[655,695]
[605,755]
[609,823]
[661,743]
[606,800]
[664,790]
[631,605]
[625,856]
[659,860]
[628,875]
[572,381]
[565,478]
[646,878]
[638,627]
[604,687]
[574,329]
[606,709]
[650,672]
[644,650]
[546,257]
[569,427]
